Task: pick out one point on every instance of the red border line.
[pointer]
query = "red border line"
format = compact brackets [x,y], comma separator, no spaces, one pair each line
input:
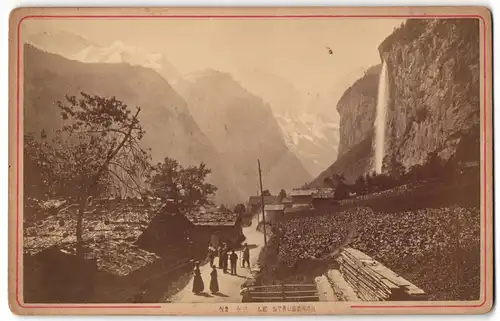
[59,306]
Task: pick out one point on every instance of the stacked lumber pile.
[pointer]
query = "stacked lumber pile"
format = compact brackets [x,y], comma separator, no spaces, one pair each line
[372,281]
[325,290]
[343,290]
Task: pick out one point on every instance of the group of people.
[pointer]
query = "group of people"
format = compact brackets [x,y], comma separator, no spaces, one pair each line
[224,254]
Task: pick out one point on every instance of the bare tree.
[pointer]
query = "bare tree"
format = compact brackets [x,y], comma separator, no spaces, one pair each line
[96,149]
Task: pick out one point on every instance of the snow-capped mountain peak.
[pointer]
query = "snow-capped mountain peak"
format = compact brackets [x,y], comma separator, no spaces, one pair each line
[312,137]
[118,52]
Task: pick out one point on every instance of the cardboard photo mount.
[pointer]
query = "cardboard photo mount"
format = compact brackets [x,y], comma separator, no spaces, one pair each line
[23,15]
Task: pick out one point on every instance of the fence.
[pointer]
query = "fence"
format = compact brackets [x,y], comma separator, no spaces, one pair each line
[281,293]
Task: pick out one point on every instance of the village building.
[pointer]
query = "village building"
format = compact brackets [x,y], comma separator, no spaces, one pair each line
[254,202]
[274,212]
[167,236]
[129,245]
[323,199]
[213,226]
[287,201]
[298,210]
[301,197]
[113,267]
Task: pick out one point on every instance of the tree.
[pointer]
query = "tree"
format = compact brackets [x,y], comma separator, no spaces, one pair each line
[415,173]
[396,170]
[37,167]
[239,209]
[360,185]
[451,168]
[334,180]
[281,195]
[186,187]
[369,182]
[96,149]
[341,191]
[339,178]
[433,165]
[327,181]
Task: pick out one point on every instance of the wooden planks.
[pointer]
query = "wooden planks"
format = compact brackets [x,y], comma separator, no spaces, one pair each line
[341,288]
[372,281]
[281,293]
[325,290]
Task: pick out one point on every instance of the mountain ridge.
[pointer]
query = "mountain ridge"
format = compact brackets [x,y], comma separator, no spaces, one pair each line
[170,128]
[243,129]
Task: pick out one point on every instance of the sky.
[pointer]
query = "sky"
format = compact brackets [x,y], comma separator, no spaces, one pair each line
[294,50]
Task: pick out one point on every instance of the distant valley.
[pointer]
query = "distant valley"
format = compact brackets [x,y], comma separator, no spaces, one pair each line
[207,116]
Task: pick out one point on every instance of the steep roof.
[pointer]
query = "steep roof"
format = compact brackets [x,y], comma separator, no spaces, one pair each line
[302,192]
[324,193]
[205,217]
[274,207]
[108,235]
[269,199]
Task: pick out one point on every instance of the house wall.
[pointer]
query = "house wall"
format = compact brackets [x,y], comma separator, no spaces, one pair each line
[166,235]
[154,279]
[52,276]
[274,215]
[254,208]
[302,199]
[50,281]
[324,204]
[201,236]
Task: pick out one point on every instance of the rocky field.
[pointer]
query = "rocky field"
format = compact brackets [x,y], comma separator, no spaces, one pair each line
[420,245]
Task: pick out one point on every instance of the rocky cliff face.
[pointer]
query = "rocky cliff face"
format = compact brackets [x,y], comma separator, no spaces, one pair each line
[357,113]
[357,110]
[433,68]
[434,87]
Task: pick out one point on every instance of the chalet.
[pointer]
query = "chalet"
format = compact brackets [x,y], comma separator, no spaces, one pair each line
[298,210]
[274,212]
[287,201]
[254,202]
[302,196]
[113,267]
[214,226]
[52,276]
[323,198]
[324,193]
[167,236]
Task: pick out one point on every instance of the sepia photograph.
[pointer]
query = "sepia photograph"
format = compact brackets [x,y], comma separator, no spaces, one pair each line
[245,161]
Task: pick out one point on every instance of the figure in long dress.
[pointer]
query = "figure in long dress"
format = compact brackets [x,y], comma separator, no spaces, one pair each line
[214,282]
[198,285]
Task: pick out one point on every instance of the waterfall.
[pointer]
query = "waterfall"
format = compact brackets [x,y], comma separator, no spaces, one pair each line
[380,119]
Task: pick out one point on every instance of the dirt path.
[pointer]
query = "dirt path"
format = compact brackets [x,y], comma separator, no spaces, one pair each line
[229,285]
